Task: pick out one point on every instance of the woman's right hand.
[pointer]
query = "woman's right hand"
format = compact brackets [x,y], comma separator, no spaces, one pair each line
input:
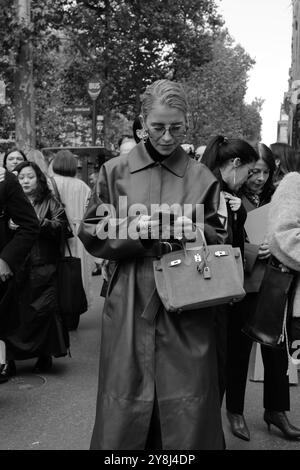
[5,271]
[264,252]
[233,201]
[154,228]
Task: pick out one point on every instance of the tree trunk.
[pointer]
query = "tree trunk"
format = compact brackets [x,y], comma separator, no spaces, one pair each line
[106,110]
[24,90]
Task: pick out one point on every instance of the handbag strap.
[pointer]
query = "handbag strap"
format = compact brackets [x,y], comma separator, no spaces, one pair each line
[55,189]
[57,194]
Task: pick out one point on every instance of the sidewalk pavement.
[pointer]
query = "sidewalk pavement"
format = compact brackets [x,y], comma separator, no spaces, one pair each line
[55,411]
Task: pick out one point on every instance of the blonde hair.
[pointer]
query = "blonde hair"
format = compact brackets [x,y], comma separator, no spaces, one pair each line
[164,92]
[37,157]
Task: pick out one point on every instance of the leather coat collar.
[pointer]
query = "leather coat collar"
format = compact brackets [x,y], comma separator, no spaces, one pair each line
[139,159]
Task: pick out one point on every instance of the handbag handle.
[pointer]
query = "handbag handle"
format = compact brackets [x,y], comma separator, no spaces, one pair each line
[196,241]
[195,246]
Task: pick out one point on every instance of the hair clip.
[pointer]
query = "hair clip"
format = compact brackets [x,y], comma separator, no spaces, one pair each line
[224,141]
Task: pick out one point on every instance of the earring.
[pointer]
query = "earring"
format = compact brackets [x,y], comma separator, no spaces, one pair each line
[145,135]
[234,176]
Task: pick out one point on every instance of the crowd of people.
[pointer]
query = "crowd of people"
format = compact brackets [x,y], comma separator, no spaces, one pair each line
[163,376]
[57,199]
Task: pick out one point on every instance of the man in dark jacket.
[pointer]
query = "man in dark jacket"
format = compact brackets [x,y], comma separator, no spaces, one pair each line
[15,207]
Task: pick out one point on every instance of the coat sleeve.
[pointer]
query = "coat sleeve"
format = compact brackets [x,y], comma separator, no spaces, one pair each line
[102,233]
[213,228]
[19,209]
[284,222]
[55,225]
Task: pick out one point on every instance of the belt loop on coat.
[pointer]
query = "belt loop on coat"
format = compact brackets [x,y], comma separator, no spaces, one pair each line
[152,307]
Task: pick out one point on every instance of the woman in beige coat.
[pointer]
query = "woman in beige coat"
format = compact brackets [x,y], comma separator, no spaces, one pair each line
[74,194]
[284,240]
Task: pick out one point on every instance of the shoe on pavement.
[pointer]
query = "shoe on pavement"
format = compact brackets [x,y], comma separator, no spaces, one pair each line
[238,426]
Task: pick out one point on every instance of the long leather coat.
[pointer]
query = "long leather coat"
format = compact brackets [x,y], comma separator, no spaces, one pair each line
[143,353]
[40,329]
[13,205]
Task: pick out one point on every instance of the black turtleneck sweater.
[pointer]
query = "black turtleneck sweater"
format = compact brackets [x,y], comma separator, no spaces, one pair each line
[154,154]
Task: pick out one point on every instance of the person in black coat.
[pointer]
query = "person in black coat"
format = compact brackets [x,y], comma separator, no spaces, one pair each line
[231,161]
[40,331]
[13,250]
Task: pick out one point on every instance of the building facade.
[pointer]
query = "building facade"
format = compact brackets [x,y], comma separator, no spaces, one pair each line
[289,124]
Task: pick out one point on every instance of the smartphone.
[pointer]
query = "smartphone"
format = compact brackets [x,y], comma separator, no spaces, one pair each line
[164,215]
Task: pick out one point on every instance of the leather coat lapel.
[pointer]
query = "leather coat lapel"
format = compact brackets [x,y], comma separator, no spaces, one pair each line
[139,159]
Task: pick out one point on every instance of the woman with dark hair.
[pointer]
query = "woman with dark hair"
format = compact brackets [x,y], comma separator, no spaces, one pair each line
[64,163]
[259,188]
[13,251]
[256,192]
[74,194]
[12,158]
[285,159]
[40,332]
[232,162]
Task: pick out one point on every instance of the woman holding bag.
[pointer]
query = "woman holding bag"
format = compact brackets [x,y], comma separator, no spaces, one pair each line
[283,230]
[256,192]
[157,377]
[74,195]
[231,161]
[40,332]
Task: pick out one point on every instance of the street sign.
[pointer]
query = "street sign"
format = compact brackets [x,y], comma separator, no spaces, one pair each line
[94,89]
[84,110]
[2,92]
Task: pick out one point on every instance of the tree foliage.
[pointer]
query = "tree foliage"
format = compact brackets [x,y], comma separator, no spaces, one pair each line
[128,44]
[216,93]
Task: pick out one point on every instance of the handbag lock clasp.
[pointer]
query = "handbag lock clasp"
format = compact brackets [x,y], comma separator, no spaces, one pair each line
[220,253]
[198,258]
[175,262]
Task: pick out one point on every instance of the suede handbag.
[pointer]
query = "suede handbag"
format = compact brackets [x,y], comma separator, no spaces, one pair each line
[199,276]
[267,324]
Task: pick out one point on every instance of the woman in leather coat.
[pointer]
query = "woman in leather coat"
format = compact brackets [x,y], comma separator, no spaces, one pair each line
[158,374]
[40,332]
[232,161]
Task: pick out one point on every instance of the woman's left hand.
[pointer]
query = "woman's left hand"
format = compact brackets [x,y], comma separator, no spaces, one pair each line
[264,252]
[234,201]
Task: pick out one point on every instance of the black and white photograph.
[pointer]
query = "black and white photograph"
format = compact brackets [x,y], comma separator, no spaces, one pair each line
[150,227]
